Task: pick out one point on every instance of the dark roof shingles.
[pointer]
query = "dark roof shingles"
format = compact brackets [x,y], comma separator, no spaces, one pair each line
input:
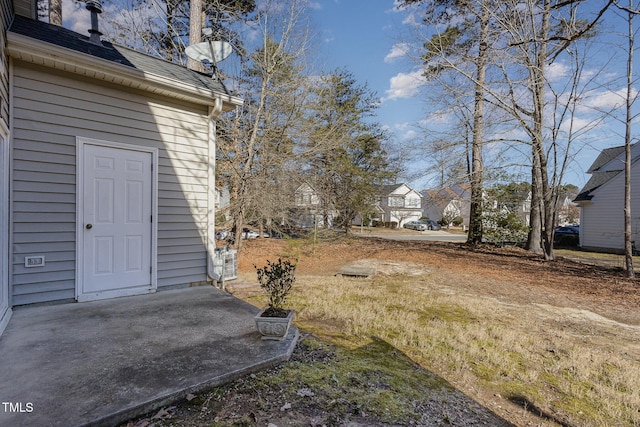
[68,39]
[605,157]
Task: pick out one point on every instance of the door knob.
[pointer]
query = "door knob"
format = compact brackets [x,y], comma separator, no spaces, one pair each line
[89,226]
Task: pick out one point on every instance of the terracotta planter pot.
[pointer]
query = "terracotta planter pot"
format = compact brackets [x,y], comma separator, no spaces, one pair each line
[273,328]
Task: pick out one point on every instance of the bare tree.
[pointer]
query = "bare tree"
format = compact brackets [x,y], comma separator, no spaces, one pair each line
[534,42]
[465,39]
[527,37]
[259,133]
[628,249]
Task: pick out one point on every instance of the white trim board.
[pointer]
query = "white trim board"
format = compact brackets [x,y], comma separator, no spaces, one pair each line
[5,305]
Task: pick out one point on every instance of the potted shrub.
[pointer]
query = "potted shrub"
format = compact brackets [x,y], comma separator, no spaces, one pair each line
[276,279]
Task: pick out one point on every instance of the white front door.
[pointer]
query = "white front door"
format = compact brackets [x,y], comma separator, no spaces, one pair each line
[116,202]
[5,312]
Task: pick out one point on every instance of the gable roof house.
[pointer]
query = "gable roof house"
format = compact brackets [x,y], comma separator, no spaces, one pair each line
[399,203]
[308,210]
[601,201]
[449,202]
[519,204]
[111,190]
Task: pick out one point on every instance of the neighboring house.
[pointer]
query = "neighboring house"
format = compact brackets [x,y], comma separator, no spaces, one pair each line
[568,211]
[308,211]
[112,186]
[447,203]
[223,202]
[601,201]
[399,203]
[510,199]
[520,205]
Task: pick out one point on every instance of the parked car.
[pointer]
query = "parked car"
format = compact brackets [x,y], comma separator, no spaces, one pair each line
[248,233]
[431,224]
[415,225]
[224,235]
[566,236]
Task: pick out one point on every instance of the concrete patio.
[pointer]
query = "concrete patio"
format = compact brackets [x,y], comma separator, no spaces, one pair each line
[101,363]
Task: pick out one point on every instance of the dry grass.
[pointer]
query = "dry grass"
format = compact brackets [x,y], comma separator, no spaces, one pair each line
[547,362]
[548,353]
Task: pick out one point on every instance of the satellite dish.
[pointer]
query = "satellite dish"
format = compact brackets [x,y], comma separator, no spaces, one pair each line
[211,51]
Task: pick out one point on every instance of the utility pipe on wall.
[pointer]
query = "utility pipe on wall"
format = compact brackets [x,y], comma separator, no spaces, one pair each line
[214,112]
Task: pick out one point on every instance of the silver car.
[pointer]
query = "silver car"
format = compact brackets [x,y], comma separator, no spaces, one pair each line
[415,225]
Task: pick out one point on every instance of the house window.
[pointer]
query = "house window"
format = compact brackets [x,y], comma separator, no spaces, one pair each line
[413,203]
[396,202]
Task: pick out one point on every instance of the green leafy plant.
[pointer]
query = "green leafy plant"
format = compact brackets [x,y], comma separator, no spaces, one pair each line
[502,227]
[276,279]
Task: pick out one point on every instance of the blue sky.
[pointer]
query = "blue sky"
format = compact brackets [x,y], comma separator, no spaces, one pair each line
[365,38]
[369,39]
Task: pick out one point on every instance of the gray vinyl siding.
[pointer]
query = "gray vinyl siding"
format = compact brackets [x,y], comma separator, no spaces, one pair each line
[5,18]
[25,8]
[50,110]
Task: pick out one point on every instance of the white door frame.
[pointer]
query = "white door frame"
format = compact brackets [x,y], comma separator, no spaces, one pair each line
[5,305]
[81,142]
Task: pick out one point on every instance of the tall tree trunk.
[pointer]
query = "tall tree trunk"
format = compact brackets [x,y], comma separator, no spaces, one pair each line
[534,240]
[195,31]
[541,232]
[55,12]
[628,245]
[475,209]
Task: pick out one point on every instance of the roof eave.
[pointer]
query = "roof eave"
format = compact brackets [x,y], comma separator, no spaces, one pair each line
[47,54]
[583,197]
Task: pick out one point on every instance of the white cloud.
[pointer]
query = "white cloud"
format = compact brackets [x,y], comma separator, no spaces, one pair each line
[437,118]
[411,134]
[397,51]
[404,131]
[76,17]
[405,85]
[315,5]
[411,20]
[579,125]
[607,100]
[556,71]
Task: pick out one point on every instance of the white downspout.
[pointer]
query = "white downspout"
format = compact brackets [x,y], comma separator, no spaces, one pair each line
[214,112]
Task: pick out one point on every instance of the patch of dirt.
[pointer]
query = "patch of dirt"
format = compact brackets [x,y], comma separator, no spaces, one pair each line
[390,268]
